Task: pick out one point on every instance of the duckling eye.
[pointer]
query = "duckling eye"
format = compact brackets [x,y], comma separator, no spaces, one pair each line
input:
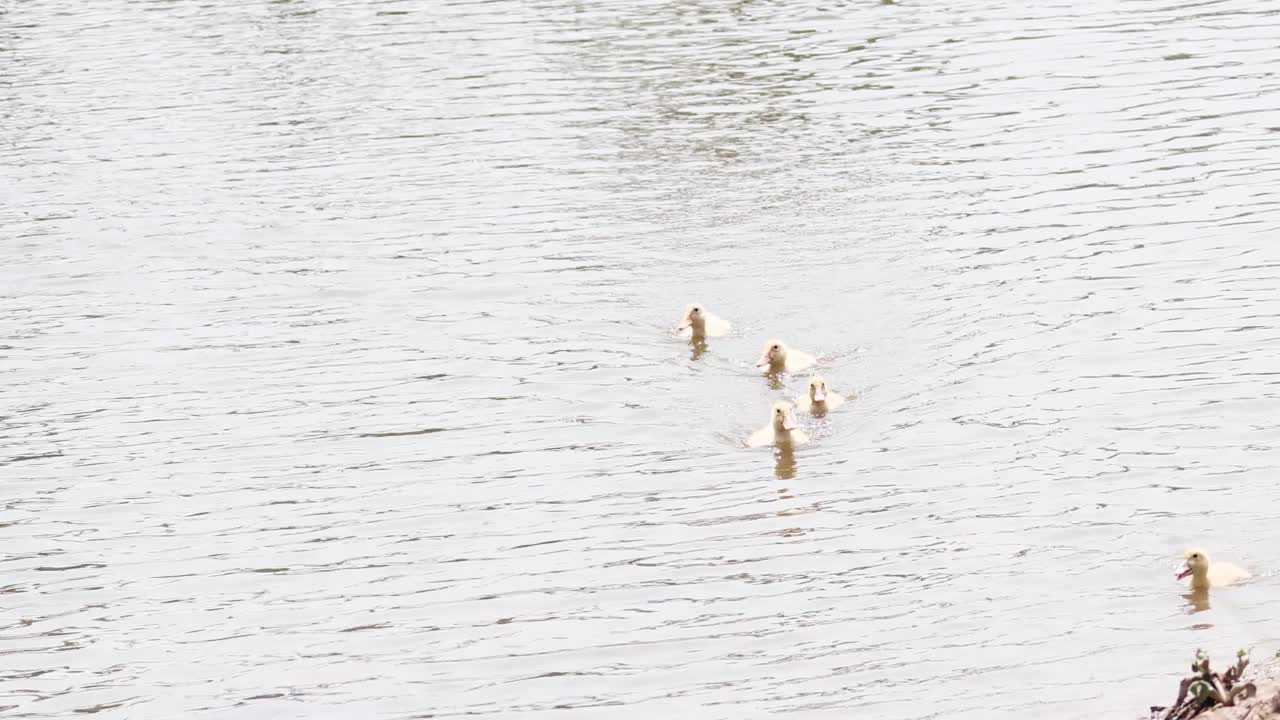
[775,347]
[1195,556]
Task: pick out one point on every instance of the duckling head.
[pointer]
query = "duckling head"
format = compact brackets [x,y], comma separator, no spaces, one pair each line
[817,389]
[1195,562]
[775,354]
[694,316]
[784,416]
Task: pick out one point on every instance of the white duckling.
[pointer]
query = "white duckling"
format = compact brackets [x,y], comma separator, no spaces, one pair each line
[1205,575]
[698,323]
[782,428]
[819,400]
[777,357]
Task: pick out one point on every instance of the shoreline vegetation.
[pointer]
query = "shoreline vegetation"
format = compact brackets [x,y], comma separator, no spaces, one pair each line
[1241,692]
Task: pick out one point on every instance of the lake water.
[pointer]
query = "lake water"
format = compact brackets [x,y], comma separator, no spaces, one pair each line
[338,378]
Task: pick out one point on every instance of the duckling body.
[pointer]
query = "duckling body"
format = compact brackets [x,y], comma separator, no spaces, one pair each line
[782,430]
[819,400]
[699,323]
[778,358]
[1205,574]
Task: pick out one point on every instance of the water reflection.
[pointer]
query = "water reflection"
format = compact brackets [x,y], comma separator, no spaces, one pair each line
[698,348]
[784,462]
[1197,600]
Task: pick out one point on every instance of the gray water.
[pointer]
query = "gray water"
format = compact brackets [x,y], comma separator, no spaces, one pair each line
[338,381]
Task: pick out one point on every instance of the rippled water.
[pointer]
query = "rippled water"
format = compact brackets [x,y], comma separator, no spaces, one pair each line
[338,382]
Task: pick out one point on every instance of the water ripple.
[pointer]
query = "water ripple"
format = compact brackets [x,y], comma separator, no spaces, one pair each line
[337,377]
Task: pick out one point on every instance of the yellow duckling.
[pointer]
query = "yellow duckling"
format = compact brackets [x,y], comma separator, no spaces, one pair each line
[819,400]
[698,323]
[777,357]
[782,429]
[1205,575]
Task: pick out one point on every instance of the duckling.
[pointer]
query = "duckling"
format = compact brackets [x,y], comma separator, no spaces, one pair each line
[697,323]
[819,400]
[777,358]
[782,429]
[1203,575]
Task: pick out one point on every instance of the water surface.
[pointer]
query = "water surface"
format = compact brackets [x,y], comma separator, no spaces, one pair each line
[337,379]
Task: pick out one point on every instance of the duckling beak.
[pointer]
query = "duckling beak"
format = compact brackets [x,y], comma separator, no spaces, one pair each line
[819,395]
[1183,571]
[684,325]
[764,360]
[789,421]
